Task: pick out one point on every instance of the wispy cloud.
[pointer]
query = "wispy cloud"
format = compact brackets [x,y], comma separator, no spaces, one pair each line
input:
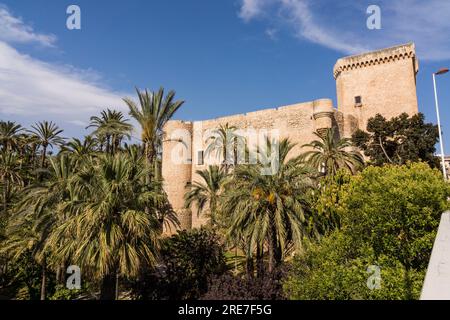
[32,88]
[29,87]
[15,30]
[341,25]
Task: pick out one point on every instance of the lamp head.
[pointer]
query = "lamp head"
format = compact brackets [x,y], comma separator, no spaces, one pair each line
[442,71]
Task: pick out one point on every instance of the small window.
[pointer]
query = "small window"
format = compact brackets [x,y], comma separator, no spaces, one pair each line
[201,160]
[358,101]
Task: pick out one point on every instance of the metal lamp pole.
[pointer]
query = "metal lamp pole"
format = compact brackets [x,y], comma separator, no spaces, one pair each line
[441,71]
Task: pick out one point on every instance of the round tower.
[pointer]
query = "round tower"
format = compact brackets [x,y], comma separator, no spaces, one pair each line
[177,167]
[323,112]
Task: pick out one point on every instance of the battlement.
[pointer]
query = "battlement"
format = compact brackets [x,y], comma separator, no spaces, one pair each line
[273,113]
[405,51]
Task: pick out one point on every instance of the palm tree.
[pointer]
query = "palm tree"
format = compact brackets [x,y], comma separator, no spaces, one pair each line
[9,175]
[80,150]
[109,233]
[330,154]
[224,142]
[9,134]
[40,211]
[47,135]
[112,127]
[269,210]
[207,192]
[152,113]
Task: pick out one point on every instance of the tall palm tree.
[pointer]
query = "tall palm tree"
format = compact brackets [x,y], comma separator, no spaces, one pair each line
[47,135]
[109,233]
[330,154]
[111,126]
[9,175]
[152,112]
[78,149]
[9,134]
[207,192]
[40,211]
[224,142]
[269,210]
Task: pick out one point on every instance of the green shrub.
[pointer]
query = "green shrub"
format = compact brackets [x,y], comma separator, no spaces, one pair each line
[389,217]
[188,260]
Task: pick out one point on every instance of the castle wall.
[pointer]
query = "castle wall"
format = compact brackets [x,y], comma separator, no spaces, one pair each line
[297,122]
[385,80]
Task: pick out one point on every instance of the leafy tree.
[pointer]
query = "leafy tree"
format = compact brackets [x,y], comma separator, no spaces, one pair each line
[398,140]
[188,260]
[337,268]
[326,201]
[389,217]
[331,154]
[207,192]
[397,210]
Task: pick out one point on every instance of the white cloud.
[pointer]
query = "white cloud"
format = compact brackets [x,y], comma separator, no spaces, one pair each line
[341,25]
[14,30]
[29,87]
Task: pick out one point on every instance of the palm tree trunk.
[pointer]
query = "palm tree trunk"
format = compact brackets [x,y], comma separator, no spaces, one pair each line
[43,280]
[108,287]
[5,196]
[117,287]
[108,144]
[44,151]
[249,267]
[259,261]
[274,251]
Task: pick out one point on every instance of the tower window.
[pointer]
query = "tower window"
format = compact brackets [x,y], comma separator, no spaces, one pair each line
[201,158]
[358,101]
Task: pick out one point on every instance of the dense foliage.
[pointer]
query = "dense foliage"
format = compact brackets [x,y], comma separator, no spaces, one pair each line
[188,260]
[398,140]
[98,203]
[389,218]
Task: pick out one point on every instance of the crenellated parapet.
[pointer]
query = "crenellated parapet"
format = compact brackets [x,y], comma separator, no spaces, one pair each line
[383,56]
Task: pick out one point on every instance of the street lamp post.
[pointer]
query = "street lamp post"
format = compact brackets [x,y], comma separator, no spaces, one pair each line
[441,71]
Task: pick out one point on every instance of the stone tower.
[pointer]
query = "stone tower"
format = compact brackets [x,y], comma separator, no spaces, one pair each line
[382,81]
[323,114]
[176,168]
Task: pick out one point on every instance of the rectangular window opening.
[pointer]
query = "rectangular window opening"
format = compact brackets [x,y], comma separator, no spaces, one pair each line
[201,158]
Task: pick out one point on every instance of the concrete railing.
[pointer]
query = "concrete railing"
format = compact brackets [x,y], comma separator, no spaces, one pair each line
[437,279]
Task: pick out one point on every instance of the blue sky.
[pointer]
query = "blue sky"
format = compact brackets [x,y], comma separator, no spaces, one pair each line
[221,56]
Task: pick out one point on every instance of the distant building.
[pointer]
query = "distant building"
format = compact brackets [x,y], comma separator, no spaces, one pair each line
[379,82]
